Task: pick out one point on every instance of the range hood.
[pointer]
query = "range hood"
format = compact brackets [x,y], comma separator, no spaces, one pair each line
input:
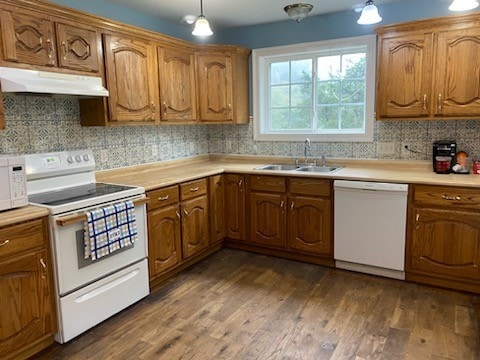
[15,80]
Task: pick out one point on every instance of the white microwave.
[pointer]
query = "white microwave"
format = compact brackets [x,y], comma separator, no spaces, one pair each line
[13,182]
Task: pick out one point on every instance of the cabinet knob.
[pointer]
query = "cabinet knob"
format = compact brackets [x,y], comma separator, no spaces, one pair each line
[424,101]
[64,48]
[4,243]
[44,268]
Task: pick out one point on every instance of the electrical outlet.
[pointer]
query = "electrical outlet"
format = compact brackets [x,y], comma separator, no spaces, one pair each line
[104,156]
[386,148]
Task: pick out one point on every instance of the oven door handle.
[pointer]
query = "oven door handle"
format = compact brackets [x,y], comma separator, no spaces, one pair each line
[72,219]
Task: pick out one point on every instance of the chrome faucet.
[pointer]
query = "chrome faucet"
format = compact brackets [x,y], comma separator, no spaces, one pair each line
[306,146]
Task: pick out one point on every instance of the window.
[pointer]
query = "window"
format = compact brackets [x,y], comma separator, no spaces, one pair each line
[322,90]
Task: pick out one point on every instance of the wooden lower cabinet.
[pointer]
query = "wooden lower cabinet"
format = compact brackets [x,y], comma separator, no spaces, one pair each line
[309,224]
[195,229]
[268,220]
[443,246]
[235,206]
[217,208]
[164,242]
[27,309]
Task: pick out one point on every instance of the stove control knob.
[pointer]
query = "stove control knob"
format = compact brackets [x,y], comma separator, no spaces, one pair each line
[78,158]
[86,157]
[70,159]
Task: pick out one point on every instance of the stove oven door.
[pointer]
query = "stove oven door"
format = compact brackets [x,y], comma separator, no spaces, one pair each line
[73,271]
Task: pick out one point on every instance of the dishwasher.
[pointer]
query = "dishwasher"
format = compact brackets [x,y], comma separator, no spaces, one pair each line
[370,227]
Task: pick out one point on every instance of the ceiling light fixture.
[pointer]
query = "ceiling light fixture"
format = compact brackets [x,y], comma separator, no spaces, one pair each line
[369,14]
[462,5]
[298,11]
[202,27]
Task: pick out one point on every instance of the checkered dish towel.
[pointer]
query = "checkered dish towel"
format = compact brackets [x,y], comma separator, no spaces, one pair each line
[110,228]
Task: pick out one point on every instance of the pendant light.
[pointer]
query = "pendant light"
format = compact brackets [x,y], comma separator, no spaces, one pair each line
[462,5]
[202,27]
[369,14]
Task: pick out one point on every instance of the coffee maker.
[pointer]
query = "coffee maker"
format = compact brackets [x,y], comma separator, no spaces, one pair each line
[444,156]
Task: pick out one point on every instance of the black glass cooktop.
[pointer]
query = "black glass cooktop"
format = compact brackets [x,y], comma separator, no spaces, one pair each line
[76,193]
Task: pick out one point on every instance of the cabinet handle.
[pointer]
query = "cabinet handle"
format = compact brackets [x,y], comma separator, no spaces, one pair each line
[194,189]
[240,185]
[64,48]
[185,212]
[417,219]
[440,101]
[424,101]
[229,109]
[292,206]
[165,108]
[282,206]
[178,214]
[163,198]
[452,198]
[44,267]
[49,49]
[4,243]
[153,107]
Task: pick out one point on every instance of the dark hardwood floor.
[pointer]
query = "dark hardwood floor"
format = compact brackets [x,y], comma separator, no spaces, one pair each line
[238,305]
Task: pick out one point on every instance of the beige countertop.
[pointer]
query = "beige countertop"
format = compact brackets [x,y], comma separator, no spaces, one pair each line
[160,174]
[14,216]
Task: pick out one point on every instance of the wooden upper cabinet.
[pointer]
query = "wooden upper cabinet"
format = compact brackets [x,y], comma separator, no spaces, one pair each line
[457,83]
[78,47]
[215,87]
[429,69]
[28,38]
[404,76]
[131,71]
[178,99]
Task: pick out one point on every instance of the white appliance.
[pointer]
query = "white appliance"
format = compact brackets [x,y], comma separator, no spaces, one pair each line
[13,191]
[87,292]
[370,227]
[14,80]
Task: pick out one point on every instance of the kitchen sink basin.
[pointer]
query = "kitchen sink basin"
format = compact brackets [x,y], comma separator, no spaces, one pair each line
[278,167]
[299,167]
[319,169]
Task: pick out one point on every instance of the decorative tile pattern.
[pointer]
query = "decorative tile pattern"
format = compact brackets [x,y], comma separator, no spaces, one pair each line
[39,124]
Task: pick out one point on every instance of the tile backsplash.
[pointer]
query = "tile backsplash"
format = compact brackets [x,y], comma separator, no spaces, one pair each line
[42,124]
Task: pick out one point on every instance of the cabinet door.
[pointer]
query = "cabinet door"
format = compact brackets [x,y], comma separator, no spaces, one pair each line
[26,301]
[446,243]
[217,208]
[309,225]
[28,38]
[404,76]
[164,247]
[132,79]
[195,229]
[268,219]
[77,48]
[177,85]
[215,87]
[457,84]
[235,206]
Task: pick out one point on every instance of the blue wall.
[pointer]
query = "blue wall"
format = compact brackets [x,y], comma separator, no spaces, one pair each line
[313,28]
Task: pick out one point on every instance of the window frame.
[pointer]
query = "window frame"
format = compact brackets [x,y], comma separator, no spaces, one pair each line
[261,58]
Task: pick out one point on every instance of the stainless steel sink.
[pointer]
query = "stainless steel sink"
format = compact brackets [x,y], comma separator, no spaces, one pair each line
[320,169]
[278,167]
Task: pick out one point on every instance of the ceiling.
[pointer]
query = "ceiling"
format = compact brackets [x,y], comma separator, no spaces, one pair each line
[232,13]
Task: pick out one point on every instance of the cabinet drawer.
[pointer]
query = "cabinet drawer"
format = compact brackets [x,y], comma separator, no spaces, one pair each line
[447,196]
[268,183]
[193,189]
[314,187]
[162,197]
[21,237]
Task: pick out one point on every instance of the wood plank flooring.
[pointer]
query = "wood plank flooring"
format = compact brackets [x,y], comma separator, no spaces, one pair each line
[238,305]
